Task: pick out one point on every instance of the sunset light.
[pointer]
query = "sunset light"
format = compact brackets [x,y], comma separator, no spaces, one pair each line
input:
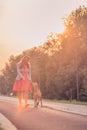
[43,66]
[27,23]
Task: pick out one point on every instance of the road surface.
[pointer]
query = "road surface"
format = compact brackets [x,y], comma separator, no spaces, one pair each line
[42,118]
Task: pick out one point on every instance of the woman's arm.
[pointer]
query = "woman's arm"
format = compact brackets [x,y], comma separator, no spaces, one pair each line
[19,72]
[29,71]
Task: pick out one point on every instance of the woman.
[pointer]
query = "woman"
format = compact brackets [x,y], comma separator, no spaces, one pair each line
[22,83]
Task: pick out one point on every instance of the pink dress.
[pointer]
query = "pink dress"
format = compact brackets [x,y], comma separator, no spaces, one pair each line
[22,84]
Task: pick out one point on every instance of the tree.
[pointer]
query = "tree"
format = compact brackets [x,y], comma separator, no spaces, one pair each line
[76,33]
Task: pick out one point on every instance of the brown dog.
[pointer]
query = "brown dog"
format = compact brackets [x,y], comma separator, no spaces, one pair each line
[36,94]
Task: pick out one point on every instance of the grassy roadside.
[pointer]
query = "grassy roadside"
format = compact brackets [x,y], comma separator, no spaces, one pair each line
[64,101]
[67,102]
[59,101]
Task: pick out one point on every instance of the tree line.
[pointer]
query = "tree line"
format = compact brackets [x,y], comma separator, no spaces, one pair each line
[59,64]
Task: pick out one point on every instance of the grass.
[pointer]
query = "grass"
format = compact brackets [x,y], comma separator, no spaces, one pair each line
[64,101]
[74,102]
[67,102]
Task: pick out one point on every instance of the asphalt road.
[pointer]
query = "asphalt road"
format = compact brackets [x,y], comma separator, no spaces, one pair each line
[42,118]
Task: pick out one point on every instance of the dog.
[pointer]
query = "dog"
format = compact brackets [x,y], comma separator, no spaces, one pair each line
[37,95]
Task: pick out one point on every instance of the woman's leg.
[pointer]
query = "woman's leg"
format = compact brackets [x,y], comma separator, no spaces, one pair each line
[20,95]
[26,98]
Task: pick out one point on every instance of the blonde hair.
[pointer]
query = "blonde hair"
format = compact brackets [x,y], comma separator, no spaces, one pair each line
[23,59]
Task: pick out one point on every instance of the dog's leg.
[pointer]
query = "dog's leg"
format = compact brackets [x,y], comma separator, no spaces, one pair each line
[41,101]
[35,102]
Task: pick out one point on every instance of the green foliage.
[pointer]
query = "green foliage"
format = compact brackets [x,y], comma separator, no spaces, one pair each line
[56,66]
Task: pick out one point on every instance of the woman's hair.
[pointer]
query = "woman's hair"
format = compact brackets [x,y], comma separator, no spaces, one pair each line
[23,60]
[26,57]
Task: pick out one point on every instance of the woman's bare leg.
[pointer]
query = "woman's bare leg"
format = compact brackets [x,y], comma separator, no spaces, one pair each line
[20,95]
[26,98]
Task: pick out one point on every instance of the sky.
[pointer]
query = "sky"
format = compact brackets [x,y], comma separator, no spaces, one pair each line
[26,23]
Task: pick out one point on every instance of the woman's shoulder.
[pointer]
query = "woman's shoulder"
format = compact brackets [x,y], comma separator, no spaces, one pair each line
[18,64]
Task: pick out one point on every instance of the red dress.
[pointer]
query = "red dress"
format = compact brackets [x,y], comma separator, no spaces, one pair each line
[22,84]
